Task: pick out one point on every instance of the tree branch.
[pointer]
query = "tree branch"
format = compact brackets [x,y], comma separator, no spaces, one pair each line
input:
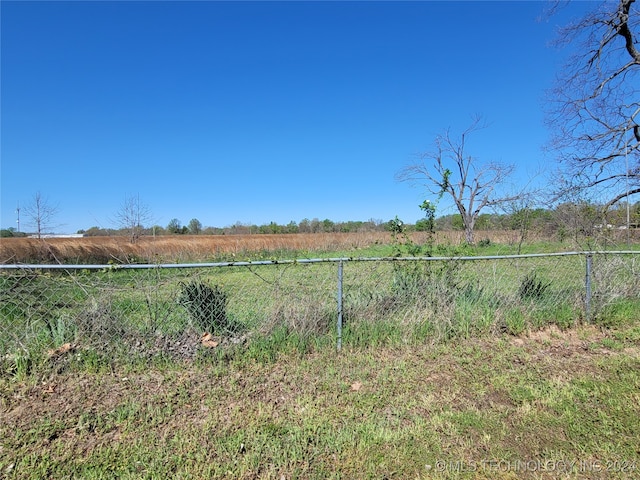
[619,197]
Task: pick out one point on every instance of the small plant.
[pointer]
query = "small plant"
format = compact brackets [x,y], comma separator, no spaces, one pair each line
[61,330]
[207,306]
[306,318]
[532,288]
[515,322]
[409,281]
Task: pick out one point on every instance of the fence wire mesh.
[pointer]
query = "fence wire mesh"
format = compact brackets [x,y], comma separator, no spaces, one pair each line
[180,311]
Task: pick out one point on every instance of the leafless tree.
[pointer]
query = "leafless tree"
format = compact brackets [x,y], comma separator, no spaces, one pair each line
[40,214]
[522,214]
[595,108]
[470,184]
[132,216]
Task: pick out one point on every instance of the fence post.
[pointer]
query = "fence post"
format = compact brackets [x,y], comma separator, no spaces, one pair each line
[339,305]
[587,300]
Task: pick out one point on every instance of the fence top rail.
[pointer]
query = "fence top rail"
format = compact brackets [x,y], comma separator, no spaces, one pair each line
[19,266]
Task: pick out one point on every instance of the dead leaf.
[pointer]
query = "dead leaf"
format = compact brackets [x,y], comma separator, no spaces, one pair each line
[209,341]
[61,350]
[356,386]
[50,389]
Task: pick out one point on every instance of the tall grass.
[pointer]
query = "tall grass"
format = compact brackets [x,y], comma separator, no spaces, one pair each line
[183,248]
[162,313]
[186,248]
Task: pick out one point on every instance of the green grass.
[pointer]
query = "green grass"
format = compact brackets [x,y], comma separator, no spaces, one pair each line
[447,410]
[138,312]
[446,371]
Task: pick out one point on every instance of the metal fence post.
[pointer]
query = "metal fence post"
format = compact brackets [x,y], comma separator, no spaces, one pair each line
[339,305]
[587,300]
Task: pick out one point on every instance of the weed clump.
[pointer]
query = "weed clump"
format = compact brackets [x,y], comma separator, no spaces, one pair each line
[532,288]
[207,306]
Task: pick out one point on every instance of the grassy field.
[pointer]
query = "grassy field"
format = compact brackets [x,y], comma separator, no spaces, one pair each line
[186,248]
[550,404]
[181,248]
[450,370]
[125,313]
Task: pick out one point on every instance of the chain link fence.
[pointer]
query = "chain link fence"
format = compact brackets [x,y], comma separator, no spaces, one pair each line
[182,311]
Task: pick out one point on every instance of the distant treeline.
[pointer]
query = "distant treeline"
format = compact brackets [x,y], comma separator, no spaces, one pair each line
[565,219]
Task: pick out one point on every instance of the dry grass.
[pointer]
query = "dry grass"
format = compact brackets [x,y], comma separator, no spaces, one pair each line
[186,248]
[174,248]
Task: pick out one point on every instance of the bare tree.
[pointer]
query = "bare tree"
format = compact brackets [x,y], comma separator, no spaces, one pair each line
[132,216]
[521,213]
[40,214]
[595,107]
[470,184]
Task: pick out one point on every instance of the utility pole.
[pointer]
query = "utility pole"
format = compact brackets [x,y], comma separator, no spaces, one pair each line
[626,163]
[18,213]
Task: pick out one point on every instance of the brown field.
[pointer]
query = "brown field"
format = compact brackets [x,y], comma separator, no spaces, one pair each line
[176,248]
[184,247]
[190,248]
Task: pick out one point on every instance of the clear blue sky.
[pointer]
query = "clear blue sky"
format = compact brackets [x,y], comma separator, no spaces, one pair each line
[261,111]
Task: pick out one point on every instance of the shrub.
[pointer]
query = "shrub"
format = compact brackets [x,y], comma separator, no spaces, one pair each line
[532,288]
[207,306]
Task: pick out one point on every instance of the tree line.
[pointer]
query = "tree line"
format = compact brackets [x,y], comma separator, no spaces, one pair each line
[564,220]
[195,227]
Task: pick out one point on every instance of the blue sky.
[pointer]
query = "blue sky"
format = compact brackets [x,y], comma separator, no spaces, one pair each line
[255,112]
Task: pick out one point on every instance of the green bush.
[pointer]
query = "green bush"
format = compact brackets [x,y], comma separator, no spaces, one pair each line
[532,288]
[207,306]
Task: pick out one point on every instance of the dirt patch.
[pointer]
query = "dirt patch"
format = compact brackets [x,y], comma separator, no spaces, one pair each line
[571,337]
[553,340]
